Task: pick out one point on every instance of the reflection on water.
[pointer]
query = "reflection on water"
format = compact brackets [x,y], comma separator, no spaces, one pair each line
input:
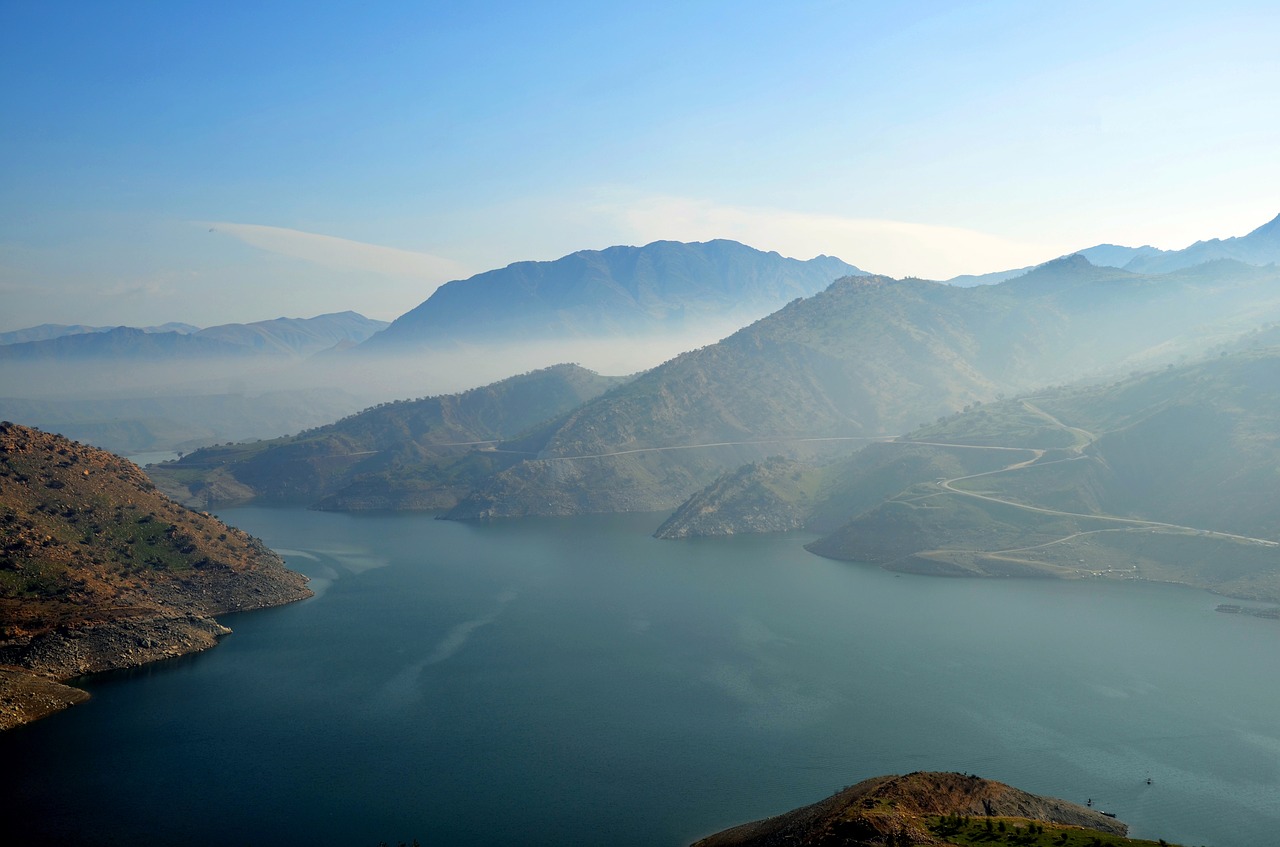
[577,682]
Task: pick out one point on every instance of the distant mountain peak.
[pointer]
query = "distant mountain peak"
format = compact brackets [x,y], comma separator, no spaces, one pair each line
[1075,261]
[1270,229]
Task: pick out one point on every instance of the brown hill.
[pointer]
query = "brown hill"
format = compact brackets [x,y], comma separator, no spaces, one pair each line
[100,571]
[928,808]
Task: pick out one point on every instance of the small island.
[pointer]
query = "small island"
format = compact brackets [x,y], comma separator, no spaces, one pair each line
[936,809]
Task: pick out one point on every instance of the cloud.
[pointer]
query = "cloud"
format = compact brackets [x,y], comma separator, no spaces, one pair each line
[342,254]
[896,248]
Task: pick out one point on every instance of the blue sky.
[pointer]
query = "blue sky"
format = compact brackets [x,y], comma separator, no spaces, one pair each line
[227,161]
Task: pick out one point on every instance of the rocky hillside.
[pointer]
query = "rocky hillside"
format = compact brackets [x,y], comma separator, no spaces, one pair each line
[930,808]
[100,571]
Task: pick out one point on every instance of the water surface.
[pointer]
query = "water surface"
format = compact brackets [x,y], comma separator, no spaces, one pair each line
[576,682]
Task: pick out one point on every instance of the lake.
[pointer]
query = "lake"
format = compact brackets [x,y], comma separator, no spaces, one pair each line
[576,682]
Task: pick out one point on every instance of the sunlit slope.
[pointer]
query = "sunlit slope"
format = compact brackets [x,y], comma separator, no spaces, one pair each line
[408,454]
[931,808]
[663,287]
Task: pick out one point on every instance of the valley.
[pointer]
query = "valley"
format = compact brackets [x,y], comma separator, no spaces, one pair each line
[1059,451]
[631,424]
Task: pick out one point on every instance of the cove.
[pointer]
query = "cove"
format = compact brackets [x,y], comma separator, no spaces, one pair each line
[576,682]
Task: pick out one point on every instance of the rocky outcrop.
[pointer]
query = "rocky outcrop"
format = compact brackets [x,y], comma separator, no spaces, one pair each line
[760,497]
[907,810]
[25,697]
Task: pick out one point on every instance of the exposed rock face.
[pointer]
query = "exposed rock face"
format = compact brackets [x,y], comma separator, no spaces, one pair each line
[886,809]
[100,571]
[110,645]
[25,697]
[759,497]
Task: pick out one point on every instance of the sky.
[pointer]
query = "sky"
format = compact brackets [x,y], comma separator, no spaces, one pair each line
[230,161]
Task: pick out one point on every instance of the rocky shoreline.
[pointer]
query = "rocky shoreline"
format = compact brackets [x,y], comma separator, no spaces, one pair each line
[33,669]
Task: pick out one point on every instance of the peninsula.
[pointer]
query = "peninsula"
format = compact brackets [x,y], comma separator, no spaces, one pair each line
[100,571]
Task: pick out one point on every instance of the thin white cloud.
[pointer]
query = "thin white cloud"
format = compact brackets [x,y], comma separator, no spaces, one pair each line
[896,248]
[342,254]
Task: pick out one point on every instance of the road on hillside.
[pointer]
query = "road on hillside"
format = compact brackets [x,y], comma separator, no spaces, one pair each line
[949,485]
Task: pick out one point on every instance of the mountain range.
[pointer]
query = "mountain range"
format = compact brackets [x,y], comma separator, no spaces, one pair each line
[44,332]
[867,358]
[290,337]
[1259,247]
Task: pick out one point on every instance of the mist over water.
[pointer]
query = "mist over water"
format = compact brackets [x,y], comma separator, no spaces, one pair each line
[574,681]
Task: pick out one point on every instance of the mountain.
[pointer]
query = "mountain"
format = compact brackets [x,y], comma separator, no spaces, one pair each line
[291,337]
[930,808]
[410,454]
[662,288]
[100,571]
